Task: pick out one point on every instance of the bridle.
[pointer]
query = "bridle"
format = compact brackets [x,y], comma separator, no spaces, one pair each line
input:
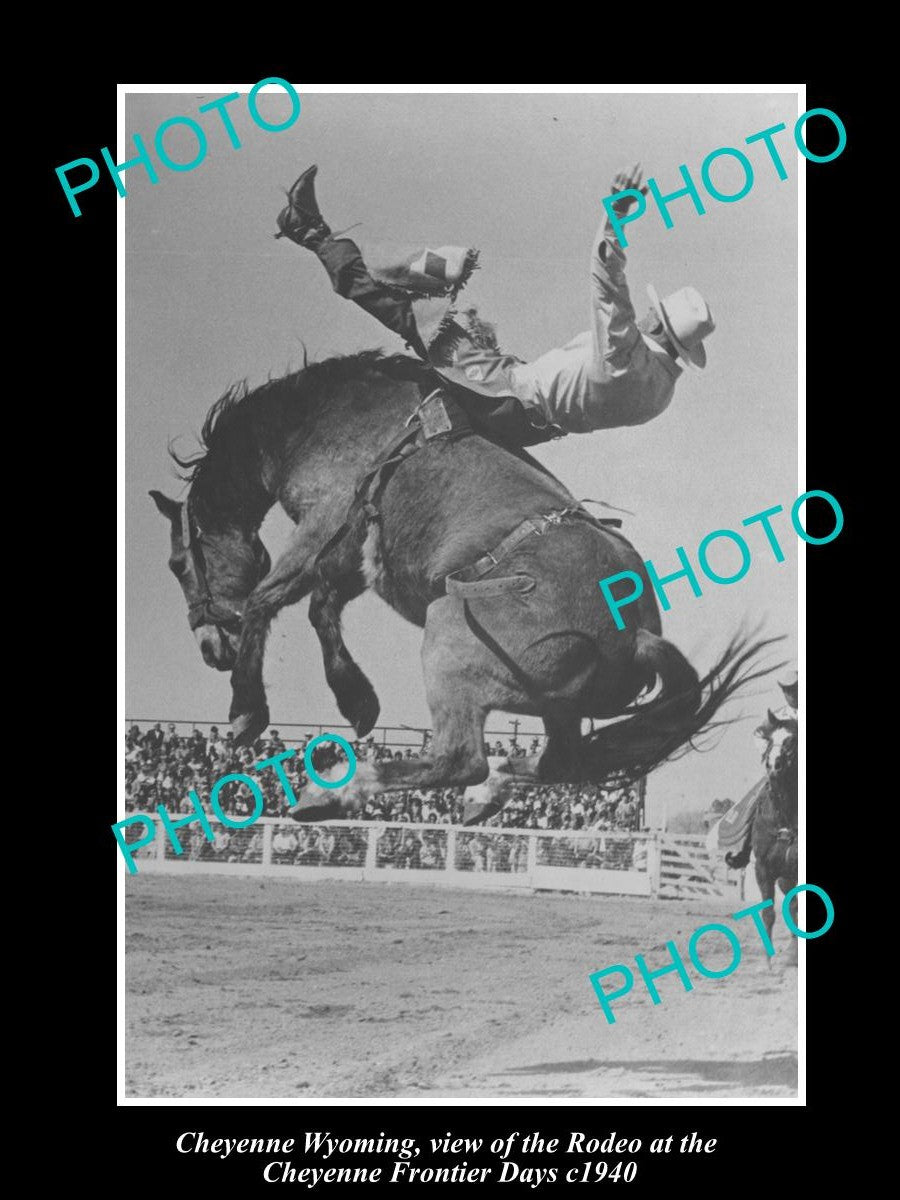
[205,610]
[788,756]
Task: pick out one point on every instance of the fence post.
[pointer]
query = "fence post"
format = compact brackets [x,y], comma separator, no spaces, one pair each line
[267,846]
[654,862]
[371,847]
[532,856]
[450,864]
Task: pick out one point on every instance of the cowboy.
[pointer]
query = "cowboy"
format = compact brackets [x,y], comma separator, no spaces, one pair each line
[789,685]
[619,372]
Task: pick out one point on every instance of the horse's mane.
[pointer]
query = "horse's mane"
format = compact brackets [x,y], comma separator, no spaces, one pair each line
[236,425]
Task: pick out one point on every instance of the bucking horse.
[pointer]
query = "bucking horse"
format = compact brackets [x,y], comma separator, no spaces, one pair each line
[390,487]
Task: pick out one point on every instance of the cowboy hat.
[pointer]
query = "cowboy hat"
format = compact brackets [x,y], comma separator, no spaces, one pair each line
[687,320]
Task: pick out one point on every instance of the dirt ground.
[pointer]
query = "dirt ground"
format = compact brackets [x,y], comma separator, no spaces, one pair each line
[248,987]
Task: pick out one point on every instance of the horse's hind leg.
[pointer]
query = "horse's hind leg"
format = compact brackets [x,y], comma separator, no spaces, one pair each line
[561,760]
[354,693]
[453,667]
[786,885]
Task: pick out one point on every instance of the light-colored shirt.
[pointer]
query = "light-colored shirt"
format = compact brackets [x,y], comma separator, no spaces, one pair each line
[787,712]
[611,374]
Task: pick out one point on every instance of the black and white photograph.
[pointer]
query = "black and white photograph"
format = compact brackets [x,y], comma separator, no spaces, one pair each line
[465,532]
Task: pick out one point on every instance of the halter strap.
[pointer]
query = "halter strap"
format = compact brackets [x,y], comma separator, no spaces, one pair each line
[205,610]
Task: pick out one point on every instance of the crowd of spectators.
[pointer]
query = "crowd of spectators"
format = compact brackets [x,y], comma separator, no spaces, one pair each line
[163,767]
[571,806]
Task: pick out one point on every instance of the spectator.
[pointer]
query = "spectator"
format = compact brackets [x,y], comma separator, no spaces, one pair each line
[520,855]
[274,745]
[327,844]
[628,813]
[284,844]
[502,853]
[430,856]
[308,852]
[253,845]
[409,855]
[476,849]
[154,739]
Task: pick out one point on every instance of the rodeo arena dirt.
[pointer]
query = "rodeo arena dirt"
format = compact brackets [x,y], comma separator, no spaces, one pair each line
[577,755]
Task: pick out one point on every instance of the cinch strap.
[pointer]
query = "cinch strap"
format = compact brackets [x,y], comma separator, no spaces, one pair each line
[461,582]
[479,588]
[435,417]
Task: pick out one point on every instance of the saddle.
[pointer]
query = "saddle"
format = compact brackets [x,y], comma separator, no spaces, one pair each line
[502,418]
[444,414]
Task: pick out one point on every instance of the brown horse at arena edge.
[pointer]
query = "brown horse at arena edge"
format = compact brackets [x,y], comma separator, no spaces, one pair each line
[546,647]
[774,836]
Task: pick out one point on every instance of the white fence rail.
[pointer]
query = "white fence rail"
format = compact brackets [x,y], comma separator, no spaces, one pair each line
[613,863]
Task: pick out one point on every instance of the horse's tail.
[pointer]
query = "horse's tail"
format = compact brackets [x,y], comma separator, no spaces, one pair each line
[684,710]
[679,682]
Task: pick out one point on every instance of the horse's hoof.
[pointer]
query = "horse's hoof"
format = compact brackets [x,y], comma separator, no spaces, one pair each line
[357,701]
[316,812]
[365,714]
[247,727]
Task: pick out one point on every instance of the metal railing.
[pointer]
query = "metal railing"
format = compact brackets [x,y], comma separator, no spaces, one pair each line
[399,737]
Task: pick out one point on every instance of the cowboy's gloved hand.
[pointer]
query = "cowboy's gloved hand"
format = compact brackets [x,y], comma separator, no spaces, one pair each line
[630,180]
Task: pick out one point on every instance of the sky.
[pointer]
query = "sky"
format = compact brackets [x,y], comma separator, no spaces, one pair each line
[211,298]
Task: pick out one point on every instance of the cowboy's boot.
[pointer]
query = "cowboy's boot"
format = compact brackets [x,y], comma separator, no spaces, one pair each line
[300,219]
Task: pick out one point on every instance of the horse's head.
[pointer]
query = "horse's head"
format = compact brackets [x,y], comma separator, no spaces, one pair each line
[780,753]
[217,572]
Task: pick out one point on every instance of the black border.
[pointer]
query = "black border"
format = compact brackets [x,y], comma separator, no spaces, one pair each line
[80,305]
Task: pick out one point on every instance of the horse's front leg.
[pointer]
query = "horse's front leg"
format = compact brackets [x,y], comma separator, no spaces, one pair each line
[249,712]
[766,885]
[352,690]
[290,580]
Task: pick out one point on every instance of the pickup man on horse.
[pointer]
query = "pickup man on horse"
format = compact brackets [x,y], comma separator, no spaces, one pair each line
[736,827]
[619,372]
